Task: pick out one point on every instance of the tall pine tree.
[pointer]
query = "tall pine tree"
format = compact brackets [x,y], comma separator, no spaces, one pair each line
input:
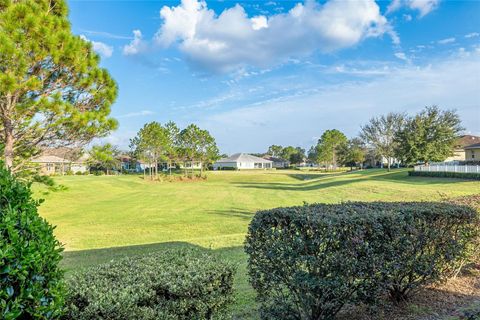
[52,91]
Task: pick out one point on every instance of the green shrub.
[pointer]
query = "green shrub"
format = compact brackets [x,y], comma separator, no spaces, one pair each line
[460,175]
[473,252]
[31,280]
[172,284]
[422,243]
[79,173]
[308,262]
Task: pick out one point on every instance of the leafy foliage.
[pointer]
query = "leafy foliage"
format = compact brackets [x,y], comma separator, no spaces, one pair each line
[381,132]
[52,91]
[308,262]
[172,284]
[429,136]
[103,157]
[440,174]
[353,153]
[31,280]
[328,146]
[473,252]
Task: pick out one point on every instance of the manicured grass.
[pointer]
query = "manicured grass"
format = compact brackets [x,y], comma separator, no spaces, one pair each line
[102,217]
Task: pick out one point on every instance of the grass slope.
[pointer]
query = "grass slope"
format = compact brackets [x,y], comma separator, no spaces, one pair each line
[99,218]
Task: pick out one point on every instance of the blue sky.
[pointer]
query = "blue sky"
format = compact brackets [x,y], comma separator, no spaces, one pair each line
[256,73]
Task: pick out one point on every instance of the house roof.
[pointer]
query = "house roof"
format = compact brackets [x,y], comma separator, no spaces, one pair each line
[466,140]
[243,157]
[274,159]
[473,146]
[49,159]
[66,153]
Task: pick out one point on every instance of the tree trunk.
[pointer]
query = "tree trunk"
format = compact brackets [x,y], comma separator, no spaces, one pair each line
[388,163]
[9,142]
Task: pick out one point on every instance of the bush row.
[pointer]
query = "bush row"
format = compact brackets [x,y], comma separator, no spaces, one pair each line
[172,284]
[460,175]
[308,262]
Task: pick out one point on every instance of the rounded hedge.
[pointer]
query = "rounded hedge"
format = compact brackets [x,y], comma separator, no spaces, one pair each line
[308,262]
[171,284]
[30,277]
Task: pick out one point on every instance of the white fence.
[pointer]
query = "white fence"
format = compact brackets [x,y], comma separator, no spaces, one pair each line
[448,168]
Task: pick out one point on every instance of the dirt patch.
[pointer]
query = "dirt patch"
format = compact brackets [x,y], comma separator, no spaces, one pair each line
[446,301]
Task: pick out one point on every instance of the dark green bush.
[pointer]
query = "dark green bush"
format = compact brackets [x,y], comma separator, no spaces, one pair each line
[308,262]
[460,175]
[31,280]
[422,244]
[172,284]
[473,252]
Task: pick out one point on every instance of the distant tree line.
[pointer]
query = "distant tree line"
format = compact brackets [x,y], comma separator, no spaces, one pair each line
[428,136]
[157,146]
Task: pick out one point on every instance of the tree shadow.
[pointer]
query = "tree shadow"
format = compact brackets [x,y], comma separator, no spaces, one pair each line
[324,181]
[234,212]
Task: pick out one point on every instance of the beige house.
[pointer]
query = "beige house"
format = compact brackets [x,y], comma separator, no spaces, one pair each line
[472,152]
[460,145]
[60,161]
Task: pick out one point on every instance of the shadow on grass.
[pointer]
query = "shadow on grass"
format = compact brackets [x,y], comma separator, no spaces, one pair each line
[234,212]
[312,182]
[75,260]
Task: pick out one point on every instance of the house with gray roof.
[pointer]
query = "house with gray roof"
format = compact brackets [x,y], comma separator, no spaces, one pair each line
[243,161]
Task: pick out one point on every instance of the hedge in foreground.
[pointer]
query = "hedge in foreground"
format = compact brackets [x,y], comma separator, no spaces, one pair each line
[172,284]
[473,252]
[308,262]
[30,278]
[460,175]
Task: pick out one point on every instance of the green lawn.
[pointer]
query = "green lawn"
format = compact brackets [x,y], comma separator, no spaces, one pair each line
[102,217]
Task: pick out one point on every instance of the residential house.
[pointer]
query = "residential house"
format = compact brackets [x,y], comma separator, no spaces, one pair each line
[54,161]
[472,152]
[243,161]
[460,153]
[278,163]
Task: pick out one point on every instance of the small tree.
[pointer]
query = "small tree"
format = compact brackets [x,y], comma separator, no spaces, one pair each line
[173,141]
[104,157]
[428,136]
[151,143]
[198,144]
[381,132]
[275,150]
[353,153]
[328,146]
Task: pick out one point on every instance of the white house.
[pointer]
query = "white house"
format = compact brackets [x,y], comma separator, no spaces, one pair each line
[277,162]
[243,161]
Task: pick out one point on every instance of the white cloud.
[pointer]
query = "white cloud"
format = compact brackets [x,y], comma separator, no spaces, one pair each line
[259,22]
[452,83]
[99,47]
[136,46]
[423,6]
[136,114]
[472,35]
[232,40]
[446,41]
[401,56]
